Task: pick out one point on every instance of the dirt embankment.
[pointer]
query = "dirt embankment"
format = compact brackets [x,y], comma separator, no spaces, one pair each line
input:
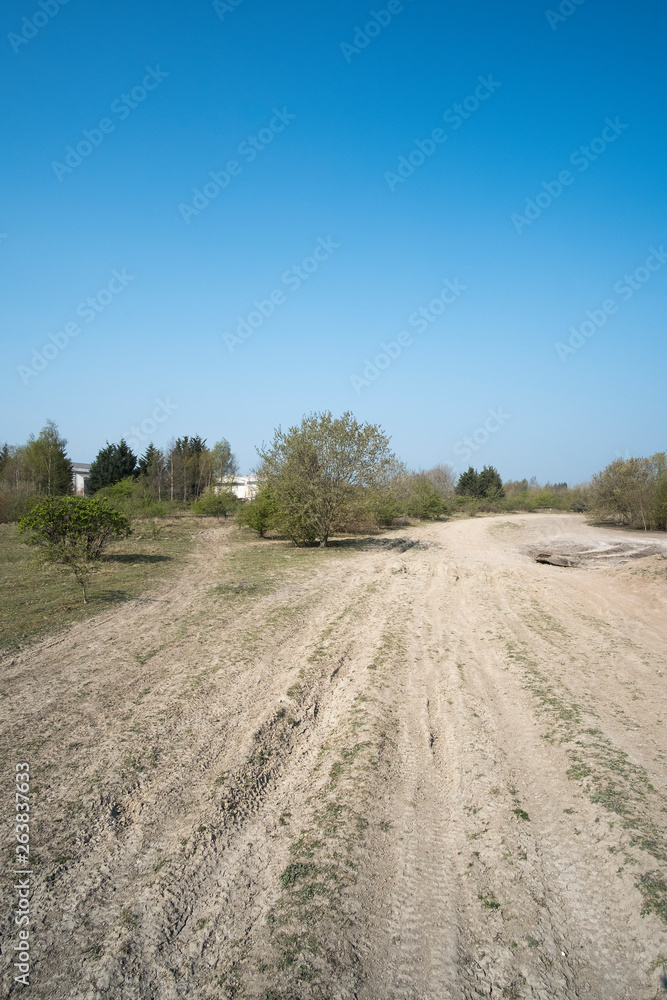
[391,775]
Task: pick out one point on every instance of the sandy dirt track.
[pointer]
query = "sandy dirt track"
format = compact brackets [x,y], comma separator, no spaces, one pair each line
[408,772]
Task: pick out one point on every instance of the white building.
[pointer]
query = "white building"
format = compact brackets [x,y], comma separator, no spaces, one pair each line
[80,472]
[243,487]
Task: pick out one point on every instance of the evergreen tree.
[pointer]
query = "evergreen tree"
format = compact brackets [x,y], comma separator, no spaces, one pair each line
[47,462]
[113,463]
[147,459]
[489,484]
[4,457]
[468,484]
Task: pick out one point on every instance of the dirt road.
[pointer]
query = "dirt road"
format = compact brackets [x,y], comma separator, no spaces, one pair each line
[394,773]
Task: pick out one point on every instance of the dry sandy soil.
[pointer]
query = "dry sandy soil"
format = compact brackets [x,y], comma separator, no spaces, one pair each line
[401,772]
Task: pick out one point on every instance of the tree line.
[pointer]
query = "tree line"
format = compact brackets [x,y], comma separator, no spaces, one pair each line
[323,476]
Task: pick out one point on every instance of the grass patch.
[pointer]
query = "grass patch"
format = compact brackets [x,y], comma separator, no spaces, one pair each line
[128,918]
[39,600]
[260,567]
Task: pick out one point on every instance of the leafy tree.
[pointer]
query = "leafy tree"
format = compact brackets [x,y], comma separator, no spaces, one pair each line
[626,490]
[324,474]
[659,507]
[153,471]
[188,468]
[113,463]
[73,533]
[443,478]
[223,463]
[468,484]
[47,462]
[259,513]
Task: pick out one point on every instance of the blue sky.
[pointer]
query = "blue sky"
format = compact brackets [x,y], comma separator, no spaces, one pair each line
[337,98]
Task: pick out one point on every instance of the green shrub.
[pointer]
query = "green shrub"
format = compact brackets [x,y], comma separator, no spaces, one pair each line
[260,513]
[73,532]
[133,498]
[424,501]
[216,504]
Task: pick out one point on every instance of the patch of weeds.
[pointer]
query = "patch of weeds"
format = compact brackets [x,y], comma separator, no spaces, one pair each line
[336,771]
[521,814]
[128,918]
[202,923]
[513,991]
[653,888]
[284,817]
[532,943]
[93,953]
[489,901]
[161,863]
[296,872]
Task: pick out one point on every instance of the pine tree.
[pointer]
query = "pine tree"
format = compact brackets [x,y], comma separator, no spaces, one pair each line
[113,463]
[468,484]
[490,485]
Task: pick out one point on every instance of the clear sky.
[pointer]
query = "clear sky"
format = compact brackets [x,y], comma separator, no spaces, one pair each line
[344,166]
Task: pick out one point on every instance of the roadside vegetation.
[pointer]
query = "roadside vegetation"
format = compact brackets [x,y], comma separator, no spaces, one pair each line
[325,477]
